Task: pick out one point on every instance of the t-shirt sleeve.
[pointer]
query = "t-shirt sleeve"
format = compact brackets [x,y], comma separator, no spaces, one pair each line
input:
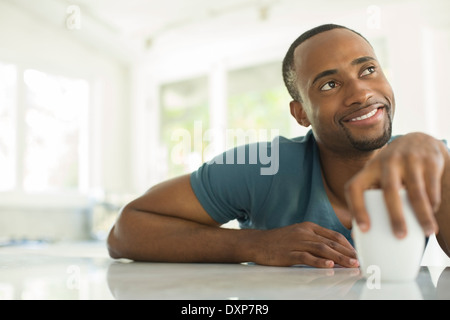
[227,191]
[446,144]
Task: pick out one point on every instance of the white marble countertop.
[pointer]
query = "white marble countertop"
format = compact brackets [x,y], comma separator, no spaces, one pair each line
[84,271]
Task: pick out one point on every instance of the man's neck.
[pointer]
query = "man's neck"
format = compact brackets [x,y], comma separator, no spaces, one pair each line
[338,169]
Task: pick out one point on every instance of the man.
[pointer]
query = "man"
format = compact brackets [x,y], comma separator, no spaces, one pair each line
[302,214]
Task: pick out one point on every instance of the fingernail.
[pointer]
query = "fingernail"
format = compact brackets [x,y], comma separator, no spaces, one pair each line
[363,226]
[329,264]
[354,262]
[429,231]
[400,233]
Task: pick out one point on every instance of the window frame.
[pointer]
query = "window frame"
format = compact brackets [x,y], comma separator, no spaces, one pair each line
[17,195]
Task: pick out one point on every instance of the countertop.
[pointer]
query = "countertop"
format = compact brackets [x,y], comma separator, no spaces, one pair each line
[84,271]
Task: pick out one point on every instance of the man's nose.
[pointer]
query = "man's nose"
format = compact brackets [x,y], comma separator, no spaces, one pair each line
[357,91]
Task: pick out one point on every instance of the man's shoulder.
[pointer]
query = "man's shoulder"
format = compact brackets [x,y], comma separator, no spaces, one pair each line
[307,138]
[266,158]
[395,137]
[298,147]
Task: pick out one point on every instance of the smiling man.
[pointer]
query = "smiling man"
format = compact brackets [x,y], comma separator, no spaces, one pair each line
[302,214]
[340,73]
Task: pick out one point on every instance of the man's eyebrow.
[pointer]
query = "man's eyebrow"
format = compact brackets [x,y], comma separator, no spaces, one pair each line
[334,71]
[362,60]
[324,74]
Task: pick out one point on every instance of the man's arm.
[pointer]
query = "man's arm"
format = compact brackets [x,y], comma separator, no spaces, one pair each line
[443,213]
[168,224]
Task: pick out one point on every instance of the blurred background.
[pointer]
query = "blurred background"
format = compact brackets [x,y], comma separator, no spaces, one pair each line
[101,99]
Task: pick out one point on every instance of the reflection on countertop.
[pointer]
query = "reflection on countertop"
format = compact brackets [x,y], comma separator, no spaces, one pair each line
[84,271]
[136,280]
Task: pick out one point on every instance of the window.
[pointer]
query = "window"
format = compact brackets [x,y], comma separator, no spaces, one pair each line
[257,99]
[43,131]
[8,80]
[184,118]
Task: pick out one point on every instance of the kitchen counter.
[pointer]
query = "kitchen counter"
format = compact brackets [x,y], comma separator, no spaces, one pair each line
[84,271]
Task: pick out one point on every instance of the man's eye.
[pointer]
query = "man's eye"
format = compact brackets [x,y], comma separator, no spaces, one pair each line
[368,71]
[328,86]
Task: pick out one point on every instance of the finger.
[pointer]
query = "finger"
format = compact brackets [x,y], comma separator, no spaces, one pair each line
[345,249]
[335,240]
[303,257]
[395,209]
[340,254]
[391,183]
[433,189]
[324,249]
[419,200]
[433,175]
[329,245]
[354,194]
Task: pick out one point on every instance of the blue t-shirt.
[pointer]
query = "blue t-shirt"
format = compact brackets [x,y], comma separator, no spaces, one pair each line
[267,185]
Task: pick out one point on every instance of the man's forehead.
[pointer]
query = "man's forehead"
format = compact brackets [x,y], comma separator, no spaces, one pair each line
[325,50]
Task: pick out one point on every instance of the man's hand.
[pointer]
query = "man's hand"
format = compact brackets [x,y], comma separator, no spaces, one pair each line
[415,162]
[304,243]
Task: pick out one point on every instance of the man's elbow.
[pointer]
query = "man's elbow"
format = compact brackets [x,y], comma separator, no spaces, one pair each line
[117,239]
[112,244]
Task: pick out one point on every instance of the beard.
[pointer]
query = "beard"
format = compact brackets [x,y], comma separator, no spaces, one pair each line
[365,144]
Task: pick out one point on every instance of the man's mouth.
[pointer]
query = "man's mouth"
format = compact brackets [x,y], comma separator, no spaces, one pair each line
[364,114]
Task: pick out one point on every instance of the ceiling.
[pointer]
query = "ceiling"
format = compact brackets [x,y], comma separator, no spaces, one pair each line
[130,25]
[138,18]
[127,27]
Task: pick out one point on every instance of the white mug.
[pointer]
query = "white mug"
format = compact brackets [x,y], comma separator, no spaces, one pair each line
[380,253]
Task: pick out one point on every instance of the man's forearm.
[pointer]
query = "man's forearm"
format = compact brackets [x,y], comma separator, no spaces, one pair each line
[443,214]
[144,236]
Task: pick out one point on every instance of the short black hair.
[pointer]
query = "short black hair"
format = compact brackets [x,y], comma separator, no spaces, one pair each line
[289,73]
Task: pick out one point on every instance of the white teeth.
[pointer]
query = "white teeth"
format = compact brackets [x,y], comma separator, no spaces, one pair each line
[366,116]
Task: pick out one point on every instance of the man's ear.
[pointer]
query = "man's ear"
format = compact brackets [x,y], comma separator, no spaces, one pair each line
[298,112]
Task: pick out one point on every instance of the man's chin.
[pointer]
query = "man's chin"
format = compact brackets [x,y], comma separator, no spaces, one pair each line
[367,143]
[370,144]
